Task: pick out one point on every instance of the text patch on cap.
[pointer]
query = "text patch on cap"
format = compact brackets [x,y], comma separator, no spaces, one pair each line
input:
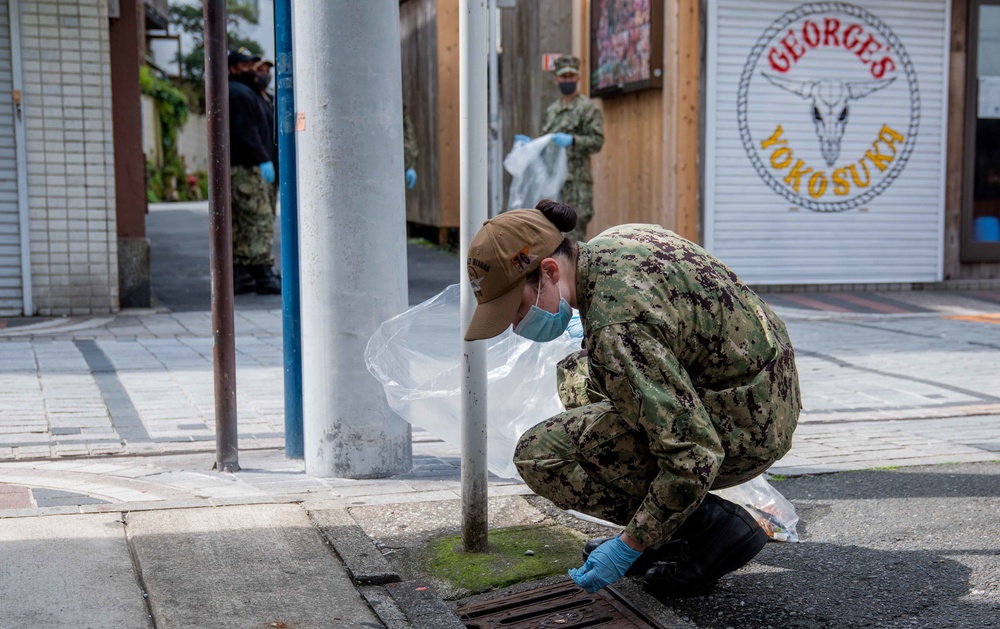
[523,259]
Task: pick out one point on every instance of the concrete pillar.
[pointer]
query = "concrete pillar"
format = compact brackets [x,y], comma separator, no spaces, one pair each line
[352,227]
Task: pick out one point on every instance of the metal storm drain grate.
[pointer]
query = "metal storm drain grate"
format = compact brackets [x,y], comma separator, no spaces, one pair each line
[559,606]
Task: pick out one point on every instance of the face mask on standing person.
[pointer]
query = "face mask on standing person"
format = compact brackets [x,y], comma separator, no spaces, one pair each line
[567,87]
[262,81]
[248,78]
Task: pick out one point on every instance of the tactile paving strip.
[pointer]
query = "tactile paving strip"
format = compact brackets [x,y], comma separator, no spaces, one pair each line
[559,606]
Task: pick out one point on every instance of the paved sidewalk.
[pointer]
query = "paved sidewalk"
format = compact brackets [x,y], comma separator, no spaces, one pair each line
[107,424]
[140,383]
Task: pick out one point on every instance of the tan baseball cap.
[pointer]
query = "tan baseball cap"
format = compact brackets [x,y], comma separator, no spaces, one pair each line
[504,251]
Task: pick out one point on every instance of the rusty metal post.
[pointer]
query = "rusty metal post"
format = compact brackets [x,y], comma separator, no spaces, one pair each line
[473,58]
[221,240]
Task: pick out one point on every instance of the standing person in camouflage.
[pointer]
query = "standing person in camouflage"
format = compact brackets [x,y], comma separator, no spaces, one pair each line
[410,151]
[691,385]
[578,126]
[251,172]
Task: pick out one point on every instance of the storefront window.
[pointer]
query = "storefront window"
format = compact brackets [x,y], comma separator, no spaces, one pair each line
[982,241]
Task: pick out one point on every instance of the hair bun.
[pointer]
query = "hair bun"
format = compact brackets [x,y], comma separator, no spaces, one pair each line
[559,214]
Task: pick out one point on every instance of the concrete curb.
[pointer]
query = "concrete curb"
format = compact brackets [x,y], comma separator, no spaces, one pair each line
[422,605]
[398,605]
[385,607]
[364,563]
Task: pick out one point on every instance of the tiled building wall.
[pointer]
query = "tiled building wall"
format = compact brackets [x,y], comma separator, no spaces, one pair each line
[67,104]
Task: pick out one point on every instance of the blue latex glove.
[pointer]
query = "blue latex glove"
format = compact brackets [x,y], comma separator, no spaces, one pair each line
[521,139]
[411,178]
[606,565]
[562,140]
[267,171]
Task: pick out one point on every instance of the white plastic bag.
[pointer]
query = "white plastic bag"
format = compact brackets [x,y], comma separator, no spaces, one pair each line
[539,170]
[773,511]
[416,357]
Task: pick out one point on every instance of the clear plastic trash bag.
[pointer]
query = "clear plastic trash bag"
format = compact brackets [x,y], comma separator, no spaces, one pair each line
[539,170]
[765,503]
[416,356]
[775,514]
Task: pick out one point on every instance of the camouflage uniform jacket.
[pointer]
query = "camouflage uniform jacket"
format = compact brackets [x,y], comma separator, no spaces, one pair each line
[690,357]
[582,120]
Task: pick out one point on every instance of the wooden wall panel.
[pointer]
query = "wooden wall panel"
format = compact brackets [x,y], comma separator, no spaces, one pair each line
[526,90]
[418,43]
[628,172]
[520,94]
[520,90]
[447,111]
[683,48]
[648,171]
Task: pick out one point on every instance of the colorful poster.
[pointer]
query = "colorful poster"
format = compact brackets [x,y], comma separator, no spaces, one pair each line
[623,43]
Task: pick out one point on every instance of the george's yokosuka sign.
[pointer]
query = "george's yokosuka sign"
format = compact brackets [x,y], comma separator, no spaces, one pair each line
[825,139]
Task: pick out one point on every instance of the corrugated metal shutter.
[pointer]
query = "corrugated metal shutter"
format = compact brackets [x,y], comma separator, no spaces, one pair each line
[798,95]
[10,247]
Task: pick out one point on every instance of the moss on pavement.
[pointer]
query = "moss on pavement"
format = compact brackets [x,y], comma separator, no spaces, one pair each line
[555,549]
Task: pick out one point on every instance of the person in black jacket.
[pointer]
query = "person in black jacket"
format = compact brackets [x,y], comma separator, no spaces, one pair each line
[263,80]
[252,171]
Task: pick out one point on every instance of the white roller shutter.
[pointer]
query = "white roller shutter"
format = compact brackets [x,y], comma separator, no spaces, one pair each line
[10,248]
[825,139]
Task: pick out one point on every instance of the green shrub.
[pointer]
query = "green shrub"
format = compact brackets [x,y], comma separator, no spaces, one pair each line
[172,109]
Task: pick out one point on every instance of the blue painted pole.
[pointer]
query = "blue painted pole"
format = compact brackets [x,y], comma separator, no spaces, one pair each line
[288,193]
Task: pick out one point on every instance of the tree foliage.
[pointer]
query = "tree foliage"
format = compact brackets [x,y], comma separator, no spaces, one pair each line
[190,19]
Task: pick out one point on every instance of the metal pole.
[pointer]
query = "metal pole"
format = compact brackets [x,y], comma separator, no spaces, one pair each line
[352,237]
[472,59]
[220,225]
[496,138]
[21,155]
[290,312]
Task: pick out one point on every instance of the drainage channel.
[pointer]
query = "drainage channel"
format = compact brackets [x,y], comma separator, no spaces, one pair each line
[559,606]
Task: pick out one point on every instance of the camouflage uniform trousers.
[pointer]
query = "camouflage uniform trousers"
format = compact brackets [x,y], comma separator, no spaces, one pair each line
[253,218]
[272,195]
[580,196]
[590,458]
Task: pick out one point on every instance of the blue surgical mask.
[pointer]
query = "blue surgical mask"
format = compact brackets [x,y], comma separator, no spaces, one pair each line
[544,326]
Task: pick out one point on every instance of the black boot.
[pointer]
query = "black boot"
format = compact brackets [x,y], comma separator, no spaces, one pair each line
[266,282]
[718,538]
[243,282]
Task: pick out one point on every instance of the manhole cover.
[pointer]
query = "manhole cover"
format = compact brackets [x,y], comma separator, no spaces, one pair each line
[559,606]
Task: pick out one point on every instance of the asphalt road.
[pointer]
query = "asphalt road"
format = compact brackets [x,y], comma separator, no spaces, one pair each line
[912,547]
[179,252]
[909,547]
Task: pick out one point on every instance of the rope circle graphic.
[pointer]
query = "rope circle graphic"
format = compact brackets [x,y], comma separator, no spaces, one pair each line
[749,69]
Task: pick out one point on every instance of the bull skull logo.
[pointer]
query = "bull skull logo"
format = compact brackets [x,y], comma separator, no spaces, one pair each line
[830,99]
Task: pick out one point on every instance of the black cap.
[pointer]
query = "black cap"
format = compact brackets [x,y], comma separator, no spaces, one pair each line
[239,56]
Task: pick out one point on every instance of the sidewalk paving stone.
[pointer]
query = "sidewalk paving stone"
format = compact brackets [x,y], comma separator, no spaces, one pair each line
[57,572]
[188,555]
